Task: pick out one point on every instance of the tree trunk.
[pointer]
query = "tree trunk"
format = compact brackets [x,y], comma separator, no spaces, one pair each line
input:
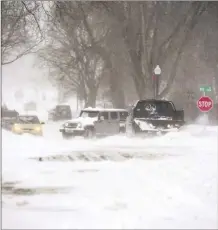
[117,94]
[118,98]
[91,98]
[146,91]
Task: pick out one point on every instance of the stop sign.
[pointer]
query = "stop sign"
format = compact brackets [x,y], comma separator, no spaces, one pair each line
[205,104]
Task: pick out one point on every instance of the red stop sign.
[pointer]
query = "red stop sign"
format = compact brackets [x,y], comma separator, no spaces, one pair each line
[205,104]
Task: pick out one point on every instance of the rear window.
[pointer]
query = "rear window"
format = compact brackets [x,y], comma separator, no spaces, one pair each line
[62,108]
[145,108]
[114,115]
[28,120]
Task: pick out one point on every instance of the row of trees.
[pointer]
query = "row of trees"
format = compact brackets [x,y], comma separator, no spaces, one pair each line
[113,47]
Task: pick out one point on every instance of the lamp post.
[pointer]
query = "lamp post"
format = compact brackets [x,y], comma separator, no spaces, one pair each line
[156,80]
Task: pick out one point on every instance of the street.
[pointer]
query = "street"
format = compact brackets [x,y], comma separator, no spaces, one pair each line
[160,182]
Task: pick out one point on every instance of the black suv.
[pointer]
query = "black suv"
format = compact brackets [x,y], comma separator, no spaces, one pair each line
[60,112]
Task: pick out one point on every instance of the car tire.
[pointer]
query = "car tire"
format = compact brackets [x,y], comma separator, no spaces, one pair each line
[122,130]
[89,133]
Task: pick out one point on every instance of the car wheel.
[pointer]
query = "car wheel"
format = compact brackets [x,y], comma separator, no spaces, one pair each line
[89,134]
[122,130]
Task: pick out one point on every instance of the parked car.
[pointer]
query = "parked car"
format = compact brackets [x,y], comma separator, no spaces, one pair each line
[60,112]
[8,117]
[153,116]
[95,122]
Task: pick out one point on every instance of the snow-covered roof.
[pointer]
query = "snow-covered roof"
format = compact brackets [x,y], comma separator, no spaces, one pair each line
[63,104]
[104,109]
[28,115]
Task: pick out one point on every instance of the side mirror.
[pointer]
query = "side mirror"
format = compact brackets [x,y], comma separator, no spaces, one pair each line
[42,123]
[101,118]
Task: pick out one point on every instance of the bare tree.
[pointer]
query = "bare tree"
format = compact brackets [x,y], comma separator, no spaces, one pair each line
[69,55]
[101,42]
[155,33]
[20,29]
[127,38]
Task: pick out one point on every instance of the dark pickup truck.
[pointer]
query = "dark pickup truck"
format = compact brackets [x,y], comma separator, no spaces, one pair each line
[154,116]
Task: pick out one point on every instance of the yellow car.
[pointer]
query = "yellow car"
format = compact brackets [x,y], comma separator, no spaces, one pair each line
[28,124]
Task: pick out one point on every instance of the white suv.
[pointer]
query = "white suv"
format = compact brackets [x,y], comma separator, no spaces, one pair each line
[95,122]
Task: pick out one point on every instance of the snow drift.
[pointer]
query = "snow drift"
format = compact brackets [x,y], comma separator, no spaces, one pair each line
[175,188]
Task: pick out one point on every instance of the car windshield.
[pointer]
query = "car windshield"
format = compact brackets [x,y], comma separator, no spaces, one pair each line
[91,114]
[149,108]
[28,120]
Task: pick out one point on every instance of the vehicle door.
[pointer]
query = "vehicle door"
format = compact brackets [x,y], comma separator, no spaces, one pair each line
[101,125]
[114,123]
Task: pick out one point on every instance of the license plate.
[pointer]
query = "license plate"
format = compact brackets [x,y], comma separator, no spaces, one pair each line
[69,130]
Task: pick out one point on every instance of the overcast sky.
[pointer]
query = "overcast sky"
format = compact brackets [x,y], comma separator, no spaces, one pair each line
[26,76]
[22,74]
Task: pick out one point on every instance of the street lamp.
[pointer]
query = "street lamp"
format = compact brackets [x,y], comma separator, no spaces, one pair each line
[156,79]
[157,70]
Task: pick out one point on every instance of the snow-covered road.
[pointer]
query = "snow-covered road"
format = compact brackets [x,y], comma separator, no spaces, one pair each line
[162,182]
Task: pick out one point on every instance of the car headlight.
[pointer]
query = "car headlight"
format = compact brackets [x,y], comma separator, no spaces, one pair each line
[17,127]
[79,125]
[65,124]
[38,129]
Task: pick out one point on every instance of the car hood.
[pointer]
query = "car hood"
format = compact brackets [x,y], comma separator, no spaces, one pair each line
[84,121]
[27,126]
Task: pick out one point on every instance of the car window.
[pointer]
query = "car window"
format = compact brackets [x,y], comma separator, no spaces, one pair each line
[105,115]
[114,115]
[63,108]
[150,108]
[123,115]
[28,120]
[90,114]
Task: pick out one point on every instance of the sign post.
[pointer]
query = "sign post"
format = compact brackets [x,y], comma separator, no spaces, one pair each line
[205,89]
[205,103]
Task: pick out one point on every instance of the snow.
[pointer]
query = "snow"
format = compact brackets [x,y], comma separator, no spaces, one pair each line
[83,120]
[104,109]
[169,182]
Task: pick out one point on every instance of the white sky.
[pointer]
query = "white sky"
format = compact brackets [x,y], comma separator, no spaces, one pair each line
[25,75]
